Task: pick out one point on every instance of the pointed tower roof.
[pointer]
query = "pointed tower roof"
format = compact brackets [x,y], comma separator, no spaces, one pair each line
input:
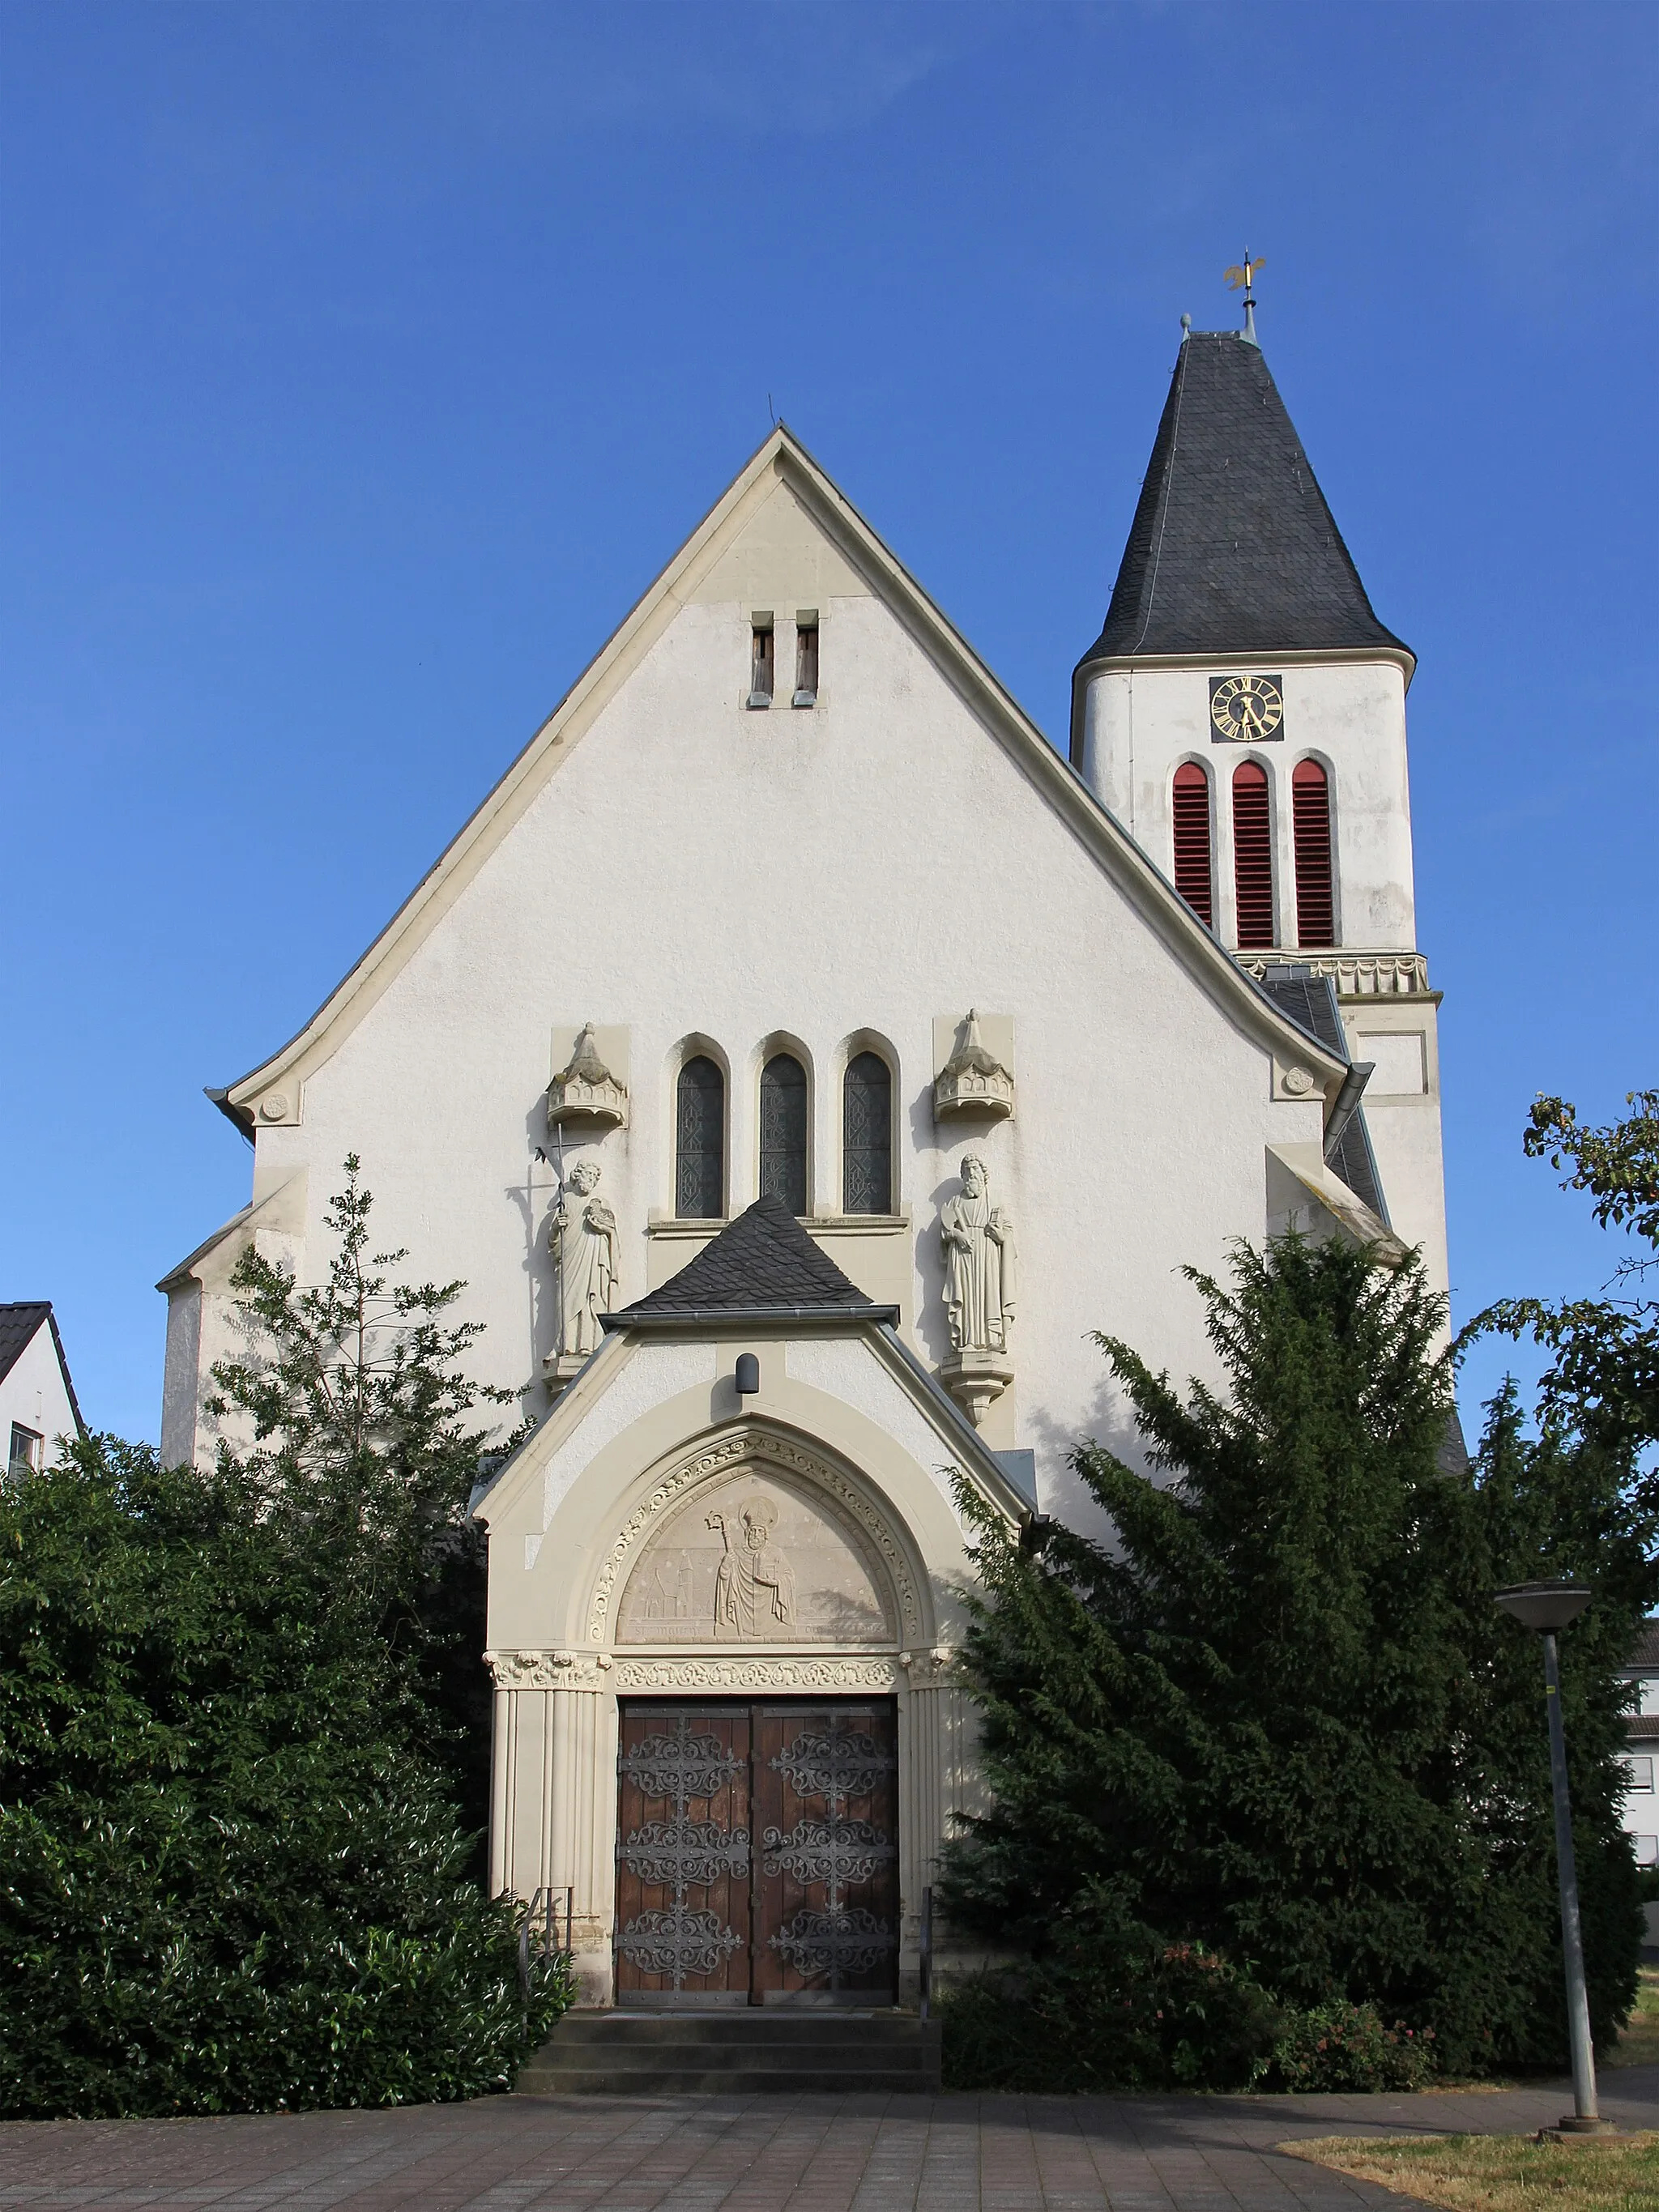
[1233,549]
[763,1262]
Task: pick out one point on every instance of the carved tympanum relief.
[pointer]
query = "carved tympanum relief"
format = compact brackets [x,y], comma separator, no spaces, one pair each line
[753,1560]
[978,1237]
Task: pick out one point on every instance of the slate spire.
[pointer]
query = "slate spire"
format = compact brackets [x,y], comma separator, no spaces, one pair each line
[1233,549]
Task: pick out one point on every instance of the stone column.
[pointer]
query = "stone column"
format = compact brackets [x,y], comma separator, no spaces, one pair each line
[925,1770]
[580,1821]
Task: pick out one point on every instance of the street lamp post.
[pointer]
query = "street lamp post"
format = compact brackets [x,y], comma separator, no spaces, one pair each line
[1546,1608]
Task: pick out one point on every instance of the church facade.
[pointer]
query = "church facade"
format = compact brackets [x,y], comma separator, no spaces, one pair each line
[797,1055]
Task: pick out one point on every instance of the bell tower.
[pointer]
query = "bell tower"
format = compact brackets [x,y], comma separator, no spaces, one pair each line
[1243,714]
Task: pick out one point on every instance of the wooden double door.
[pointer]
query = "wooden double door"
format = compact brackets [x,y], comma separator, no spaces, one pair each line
[757,1853]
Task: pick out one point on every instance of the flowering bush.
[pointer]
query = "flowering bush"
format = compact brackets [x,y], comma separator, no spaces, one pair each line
[1346,2046]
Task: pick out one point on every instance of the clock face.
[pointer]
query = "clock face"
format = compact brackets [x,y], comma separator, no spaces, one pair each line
[1248,708]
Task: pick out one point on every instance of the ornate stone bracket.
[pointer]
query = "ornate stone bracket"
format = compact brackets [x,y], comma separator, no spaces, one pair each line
[976,1380]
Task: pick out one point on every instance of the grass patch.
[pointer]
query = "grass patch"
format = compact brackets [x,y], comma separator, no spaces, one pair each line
[1638,2043]
[1500,2173]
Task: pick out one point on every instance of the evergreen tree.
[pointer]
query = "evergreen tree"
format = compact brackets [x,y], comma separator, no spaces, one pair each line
[1279,1717]
[356,1397]
[229,1877]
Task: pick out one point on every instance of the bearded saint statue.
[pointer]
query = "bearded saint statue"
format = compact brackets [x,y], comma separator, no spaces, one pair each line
[979,1264]
[584,1242]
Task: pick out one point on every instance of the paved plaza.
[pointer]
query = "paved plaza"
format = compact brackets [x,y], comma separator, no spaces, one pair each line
[761,2154]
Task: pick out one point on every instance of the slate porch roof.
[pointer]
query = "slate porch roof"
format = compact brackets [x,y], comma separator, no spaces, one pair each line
[763,1262]
[1233,549]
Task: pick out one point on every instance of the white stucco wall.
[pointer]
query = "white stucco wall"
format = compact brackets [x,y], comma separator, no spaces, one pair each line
[1139,725]
[32,1394]
[867,867]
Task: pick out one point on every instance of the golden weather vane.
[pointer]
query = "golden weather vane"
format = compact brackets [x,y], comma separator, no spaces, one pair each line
[1242,273]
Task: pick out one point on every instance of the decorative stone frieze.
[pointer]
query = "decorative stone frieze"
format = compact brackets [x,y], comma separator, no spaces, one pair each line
[1356,974]
[973,1080]
[585,1090]
[875,1671]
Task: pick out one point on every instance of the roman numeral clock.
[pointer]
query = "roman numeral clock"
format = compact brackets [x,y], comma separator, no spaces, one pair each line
[1248,709]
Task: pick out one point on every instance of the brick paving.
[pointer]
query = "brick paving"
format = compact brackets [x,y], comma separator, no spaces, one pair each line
[761,2154]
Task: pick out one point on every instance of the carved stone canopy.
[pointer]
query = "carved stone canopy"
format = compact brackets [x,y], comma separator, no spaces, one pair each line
[586,1091]
[974,1080]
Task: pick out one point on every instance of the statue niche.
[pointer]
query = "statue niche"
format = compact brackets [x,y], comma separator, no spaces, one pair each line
[754,1559]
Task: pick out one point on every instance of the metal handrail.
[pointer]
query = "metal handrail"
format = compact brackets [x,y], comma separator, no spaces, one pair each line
[540,1928]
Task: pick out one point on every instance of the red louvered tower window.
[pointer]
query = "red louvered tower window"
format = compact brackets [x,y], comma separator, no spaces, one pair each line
[1192,839]
[1253,856]
[1310,811]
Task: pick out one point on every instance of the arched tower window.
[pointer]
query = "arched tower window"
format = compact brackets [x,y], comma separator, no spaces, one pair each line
[783,1131]
[1253,856]
[1192,839]
[700,1141]
[1310,819]
[866,1145]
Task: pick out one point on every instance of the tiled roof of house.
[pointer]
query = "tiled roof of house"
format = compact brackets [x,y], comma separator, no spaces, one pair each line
[1646,1653]
[763,1262]
[1232,549]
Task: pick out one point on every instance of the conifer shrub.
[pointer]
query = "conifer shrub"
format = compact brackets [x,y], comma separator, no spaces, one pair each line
[243,1717]
[1279,1716]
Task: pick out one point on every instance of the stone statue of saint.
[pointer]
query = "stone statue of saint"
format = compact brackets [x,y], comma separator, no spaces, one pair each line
[583,1240]
[979,1264]
[755,1584]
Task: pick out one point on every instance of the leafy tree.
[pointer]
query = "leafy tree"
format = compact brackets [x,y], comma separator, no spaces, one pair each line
[228,1878]
[1279,1717]
[1603,1379]
[355,1394]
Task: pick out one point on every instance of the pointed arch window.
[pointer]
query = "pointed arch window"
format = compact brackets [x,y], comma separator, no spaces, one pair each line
[1253,856]
[783,1131]
[700,1141]
[1311,822]
[1192,840]
[867,1148]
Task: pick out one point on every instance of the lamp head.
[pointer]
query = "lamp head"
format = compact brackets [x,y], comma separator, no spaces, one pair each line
[1544,1606]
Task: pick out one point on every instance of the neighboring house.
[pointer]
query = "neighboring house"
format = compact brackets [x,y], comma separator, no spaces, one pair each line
[797,1055]
[37,1399]
[1641,1798]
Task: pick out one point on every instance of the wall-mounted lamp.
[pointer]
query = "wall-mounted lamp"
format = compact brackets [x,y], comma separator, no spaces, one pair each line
[748,1374]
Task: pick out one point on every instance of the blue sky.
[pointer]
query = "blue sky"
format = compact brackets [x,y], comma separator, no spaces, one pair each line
[360,364]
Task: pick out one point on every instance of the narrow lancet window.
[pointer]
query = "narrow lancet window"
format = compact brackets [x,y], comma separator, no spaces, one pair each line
[1192,840]
[761,662]
[1310,812]
[700,1141]
[866,1150]
[783,1131]
[1253,856]
[806,657]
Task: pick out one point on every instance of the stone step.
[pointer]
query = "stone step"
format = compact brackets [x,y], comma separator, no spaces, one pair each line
[619,2053]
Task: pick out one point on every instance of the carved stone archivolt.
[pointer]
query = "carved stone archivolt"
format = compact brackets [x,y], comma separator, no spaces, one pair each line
[861,1576]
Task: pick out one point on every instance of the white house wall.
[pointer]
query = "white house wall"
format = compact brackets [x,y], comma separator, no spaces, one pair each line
[32,1394]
